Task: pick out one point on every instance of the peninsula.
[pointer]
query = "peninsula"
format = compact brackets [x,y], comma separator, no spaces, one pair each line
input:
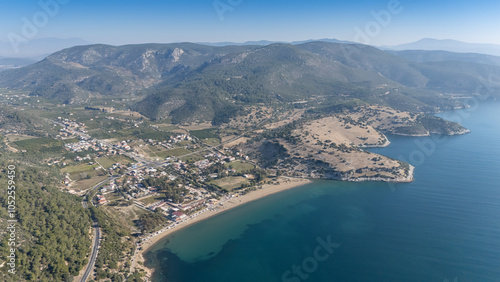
[151,138]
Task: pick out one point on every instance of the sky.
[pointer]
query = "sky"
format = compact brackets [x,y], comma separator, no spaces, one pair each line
[375,22]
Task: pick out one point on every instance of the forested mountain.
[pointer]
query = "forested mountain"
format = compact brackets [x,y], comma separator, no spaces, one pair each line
[52,228]
[189,82]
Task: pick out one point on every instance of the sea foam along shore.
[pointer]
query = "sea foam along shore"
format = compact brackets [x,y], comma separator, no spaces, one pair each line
[285,183]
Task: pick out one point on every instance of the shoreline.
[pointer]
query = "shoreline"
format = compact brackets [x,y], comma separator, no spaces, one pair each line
[285,183]
[226,204]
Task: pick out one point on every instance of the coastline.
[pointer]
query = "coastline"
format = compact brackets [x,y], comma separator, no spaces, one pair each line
[285,183]
[226,204]
[387,143]
[407,179]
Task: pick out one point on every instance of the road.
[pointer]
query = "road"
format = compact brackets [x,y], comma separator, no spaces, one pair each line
[97,231]
[153,164]
[90,266]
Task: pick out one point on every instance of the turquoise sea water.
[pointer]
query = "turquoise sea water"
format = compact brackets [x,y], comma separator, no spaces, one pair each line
[445,226]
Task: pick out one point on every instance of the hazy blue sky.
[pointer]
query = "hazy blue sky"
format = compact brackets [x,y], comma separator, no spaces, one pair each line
[134,21]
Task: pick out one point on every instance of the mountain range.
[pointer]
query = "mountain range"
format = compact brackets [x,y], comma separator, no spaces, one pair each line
[267,42]
[423,56]
[430,44]
[194,82]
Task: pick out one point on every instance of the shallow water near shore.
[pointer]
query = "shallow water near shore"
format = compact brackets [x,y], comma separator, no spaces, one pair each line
[443,226]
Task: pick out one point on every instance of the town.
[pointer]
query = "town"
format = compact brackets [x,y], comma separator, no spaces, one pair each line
[176,187]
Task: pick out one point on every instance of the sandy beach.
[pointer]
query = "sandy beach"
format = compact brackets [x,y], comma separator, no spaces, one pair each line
[285,183]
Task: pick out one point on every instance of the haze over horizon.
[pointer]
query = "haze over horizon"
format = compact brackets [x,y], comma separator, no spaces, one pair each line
[378,22]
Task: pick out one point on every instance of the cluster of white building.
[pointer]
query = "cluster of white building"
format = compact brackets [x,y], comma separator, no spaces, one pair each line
[180,138]
[72,129]
[124,145]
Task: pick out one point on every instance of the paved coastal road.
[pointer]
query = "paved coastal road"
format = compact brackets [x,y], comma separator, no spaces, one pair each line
[90,266]
[97,233]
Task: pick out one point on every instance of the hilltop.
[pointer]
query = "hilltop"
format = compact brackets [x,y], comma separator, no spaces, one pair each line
[192,82]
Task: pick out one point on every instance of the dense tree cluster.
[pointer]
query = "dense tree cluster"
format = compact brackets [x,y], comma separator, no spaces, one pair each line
[150,221]
[259,174]
[438,125]
[165,185]
[52,228]
[24,123]
[115,244]
[285,132]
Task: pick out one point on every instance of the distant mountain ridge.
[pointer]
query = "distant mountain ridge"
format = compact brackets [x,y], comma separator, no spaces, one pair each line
[193,82]
[430,44]
[422,56]
[267,42]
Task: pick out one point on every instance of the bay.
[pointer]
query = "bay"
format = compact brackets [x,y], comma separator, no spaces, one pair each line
[442,227]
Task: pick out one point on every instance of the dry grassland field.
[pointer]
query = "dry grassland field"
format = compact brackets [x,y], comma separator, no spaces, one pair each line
[286,118]
[18,137]
[235,142]
[383,118]
[339,131]
[230,183]
[254,116]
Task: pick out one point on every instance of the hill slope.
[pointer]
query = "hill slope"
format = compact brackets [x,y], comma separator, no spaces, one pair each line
[422,56]
[190,82]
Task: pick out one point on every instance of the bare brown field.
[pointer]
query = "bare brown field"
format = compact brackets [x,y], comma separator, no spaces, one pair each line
[230,183]
[235,142]
[87,183]
[383,118]
[286,118]
[198,126]
[255,116]
[339,130]
[18,137]
[129,114]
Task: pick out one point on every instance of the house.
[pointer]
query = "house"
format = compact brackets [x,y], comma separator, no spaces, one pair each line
[177,216]
[101,200]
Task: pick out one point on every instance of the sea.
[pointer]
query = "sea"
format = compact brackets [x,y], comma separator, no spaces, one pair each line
[443,227]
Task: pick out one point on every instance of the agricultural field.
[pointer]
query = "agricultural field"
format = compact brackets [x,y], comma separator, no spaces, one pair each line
[197,126]
[193,157]
[83,171]
[204,133]
[235,142]
[108,162]
[148,151]
[150,133]
[87,183]
[173,153]
[240,166]
[230,183]
[208,136]
[18,137]
[40,145]
[79,168]
[127,114]
[212,141]
[167,127]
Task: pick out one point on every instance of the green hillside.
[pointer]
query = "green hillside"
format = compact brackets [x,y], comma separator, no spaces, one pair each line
[191,82]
